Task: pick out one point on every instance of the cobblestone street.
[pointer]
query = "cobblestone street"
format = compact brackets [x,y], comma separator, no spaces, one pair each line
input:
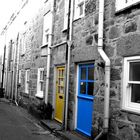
[17,124]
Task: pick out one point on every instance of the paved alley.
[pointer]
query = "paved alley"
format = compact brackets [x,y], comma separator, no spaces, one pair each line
[15,124]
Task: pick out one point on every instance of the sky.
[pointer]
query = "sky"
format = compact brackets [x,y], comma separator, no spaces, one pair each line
[7,7]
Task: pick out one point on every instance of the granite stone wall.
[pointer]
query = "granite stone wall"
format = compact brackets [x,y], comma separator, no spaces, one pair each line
[32,58]
[121,39]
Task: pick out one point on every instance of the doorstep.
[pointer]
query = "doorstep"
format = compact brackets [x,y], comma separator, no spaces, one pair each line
[56,128]
[52,125]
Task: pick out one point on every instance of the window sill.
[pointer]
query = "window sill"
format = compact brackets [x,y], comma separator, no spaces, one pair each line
[39,95]
[64,30]
[76,19]
[22,54]
[123,9]
[131,110]
[44,45]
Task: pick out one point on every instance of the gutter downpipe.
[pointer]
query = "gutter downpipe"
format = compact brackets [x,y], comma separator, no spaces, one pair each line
[14,48]
[49,55]
[107,69]
[3,67]
[69,43]
[17,69]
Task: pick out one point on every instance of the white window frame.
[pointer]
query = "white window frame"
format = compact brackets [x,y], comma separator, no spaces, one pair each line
[27,74]
[46,28]
[66,12]
[123,4]
[39,81]
[23,44]
[77,9]
[13,51]
[126,96]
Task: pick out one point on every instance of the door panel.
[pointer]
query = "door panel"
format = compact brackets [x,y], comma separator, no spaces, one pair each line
[84,115]
[59,94]
[85,98]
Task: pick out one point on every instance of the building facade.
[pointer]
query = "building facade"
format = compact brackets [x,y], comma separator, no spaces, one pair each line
[82,57]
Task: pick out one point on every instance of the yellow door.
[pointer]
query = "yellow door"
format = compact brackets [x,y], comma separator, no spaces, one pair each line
[59,94]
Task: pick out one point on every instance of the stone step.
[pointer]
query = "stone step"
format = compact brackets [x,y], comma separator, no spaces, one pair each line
[56,128]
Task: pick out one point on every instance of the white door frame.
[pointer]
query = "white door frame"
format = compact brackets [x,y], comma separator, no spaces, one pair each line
[54,87]
[54,90]
[76,100]
[77,83]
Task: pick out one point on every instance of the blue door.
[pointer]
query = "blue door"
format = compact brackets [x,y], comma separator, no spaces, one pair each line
[85,98]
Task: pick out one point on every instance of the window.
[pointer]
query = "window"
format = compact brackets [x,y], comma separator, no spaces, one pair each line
[79,9]
[40,83]
[122,4]
[66,15]
[27,74]
[13,51]
[23,43]
[10,55]
[131,84]
[86,80]
[46,28]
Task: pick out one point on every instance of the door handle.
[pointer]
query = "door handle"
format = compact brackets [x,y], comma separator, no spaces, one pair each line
[61,97]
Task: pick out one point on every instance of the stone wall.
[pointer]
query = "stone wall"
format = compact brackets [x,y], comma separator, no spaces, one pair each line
[59,35]
[32,59]
[121,38]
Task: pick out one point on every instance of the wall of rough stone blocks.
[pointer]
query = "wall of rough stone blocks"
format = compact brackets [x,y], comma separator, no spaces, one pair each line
[32,59]
[59,36]
[121,39]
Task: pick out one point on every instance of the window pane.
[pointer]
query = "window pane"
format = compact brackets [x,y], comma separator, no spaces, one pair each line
[62,73]
[90,73]
[27,86]
[41,75]
[41,86]
[61,90]
[90,88]
[134,71]
[83,87]
[83,73]
[81,6]
[135,94]
[27,75]
[61,82]
[47,38]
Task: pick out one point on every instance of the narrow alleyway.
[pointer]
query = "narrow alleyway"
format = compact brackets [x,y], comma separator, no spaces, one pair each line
[15,124]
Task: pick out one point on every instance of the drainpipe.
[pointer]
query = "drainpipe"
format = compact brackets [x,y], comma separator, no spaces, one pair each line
[11,68]
[69,44]
[107,69]
[17,69]
[49,55]
[3,66]
[2,89]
